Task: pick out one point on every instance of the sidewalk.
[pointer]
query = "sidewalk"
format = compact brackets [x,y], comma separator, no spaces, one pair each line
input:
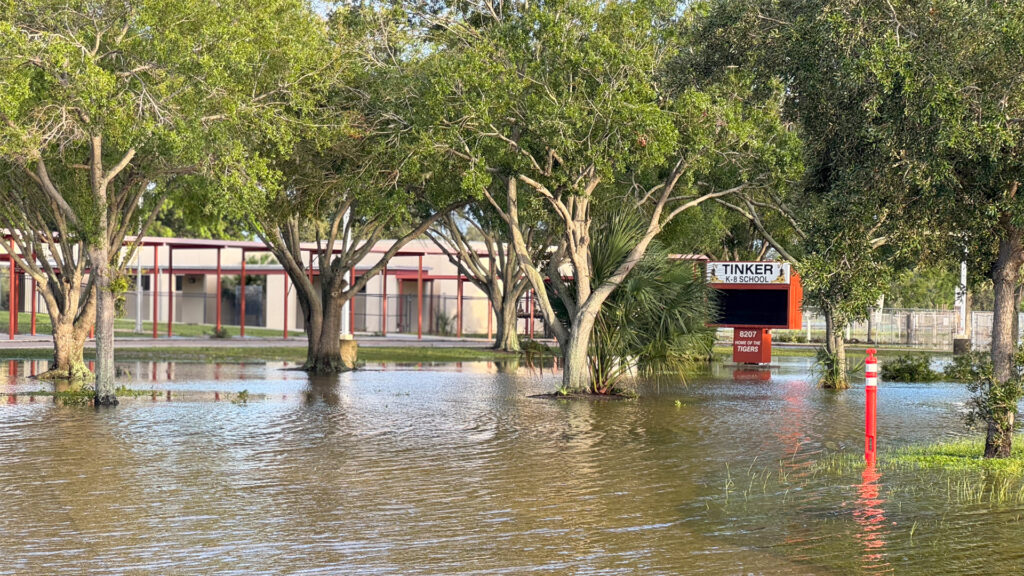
[27,342]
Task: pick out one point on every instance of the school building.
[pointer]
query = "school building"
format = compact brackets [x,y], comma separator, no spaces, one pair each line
[239,284]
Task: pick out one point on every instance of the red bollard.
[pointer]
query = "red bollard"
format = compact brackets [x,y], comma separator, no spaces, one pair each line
[870,406]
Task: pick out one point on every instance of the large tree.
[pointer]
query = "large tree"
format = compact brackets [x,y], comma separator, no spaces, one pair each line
[351,177]
[567,103]
[104,101]
[933,96]
[841,230]
[951,113]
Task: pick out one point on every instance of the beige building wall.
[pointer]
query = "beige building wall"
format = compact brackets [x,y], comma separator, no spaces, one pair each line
[195,302]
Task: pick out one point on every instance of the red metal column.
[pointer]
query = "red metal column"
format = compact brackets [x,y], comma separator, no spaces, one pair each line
[170,291]
[533,303]
[10,292]
[242,313]
[17,300]
[352,302]
[286,306]
[419,300]
[156,289]
[384,303]
[458,307]
[33,311]
[218,289]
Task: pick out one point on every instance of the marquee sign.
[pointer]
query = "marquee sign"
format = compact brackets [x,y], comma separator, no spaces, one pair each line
[748,273]
[754,297]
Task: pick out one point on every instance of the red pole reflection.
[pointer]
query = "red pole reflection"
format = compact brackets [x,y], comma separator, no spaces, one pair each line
[870,515]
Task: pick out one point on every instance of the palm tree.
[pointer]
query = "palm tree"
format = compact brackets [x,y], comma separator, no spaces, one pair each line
[655,321]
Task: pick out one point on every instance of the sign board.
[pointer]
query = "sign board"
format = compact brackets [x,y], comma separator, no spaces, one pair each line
[756,294]
[753,298]
[770,273]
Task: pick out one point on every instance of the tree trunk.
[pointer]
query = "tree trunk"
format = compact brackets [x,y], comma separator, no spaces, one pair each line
[576,375]
[68,350]
[1000,415]
[507,335]
[324,352]
[835,355]
[71,323]
[105,387]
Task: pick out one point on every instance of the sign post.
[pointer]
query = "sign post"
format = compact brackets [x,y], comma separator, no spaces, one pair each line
[870,406]
[751,345]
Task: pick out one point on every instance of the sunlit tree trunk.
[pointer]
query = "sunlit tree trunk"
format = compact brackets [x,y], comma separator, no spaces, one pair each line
[1005,274]
[834,376]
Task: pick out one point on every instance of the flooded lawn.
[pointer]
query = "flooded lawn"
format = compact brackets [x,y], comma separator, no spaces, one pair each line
[454,469]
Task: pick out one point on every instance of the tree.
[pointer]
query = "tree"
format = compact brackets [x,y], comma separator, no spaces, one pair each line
[350,179]
[656,320]
[47,249]
[933,93]
[104,102]
[950,112]
[498,274]
[838,214]
[565,103]
[346,224]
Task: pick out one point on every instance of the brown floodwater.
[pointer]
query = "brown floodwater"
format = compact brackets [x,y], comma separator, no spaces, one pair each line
[455,469]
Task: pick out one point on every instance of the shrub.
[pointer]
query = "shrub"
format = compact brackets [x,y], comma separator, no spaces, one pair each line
[221,332]
[968,367]
[909,368]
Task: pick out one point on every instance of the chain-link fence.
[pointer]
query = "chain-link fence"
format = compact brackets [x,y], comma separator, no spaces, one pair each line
[913,328]
[199,307]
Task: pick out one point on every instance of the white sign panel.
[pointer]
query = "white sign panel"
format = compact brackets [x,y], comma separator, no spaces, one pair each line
[748,273]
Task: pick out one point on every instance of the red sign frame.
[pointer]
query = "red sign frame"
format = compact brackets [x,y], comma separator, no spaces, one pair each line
[757,348]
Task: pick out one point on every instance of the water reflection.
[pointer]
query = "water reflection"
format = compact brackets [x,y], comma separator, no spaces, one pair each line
[323,390]
[870,516]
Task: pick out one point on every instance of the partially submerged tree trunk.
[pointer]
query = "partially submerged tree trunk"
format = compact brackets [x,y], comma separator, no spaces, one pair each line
[337,255]
[55,241]
[506,336]
[105,387]
[1001,407]
[323,349]
[99,254]
[498,274]
[70,330]
[576,375]
[582,300]
[834,362]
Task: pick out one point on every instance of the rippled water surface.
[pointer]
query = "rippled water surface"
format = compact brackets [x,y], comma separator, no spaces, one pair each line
[455,469]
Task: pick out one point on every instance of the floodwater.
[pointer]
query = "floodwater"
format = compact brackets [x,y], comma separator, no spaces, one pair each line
[455,469]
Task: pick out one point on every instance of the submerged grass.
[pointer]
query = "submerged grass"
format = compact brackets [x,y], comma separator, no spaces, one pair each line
[959,455]
[955,470]
[964,455]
